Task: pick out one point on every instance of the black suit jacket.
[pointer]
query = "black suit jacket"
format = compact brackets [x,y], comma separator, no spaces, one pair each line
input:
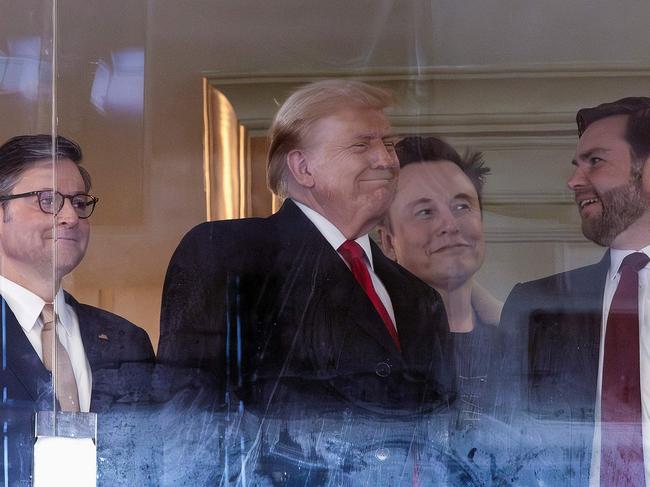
[120,357]
[554,325]
[276,318]
[553,328]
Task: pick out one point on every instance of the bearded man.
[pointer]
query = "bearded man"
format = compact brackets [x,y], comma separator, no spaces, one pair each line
[582,338]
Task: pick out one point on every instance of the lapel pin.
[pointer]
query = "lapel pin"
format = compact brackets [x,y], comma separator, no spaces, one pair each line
[103,336]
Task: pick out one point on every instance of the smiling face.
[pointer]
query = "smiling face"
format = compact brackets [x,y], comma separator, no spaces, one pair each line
[436,230]
[26,233]
[611,189]
[349,168]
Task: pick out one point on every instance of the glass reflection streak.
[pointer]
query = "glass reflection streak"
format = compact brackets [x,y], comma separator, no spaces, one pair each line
[118,86]
[5,426]
[19,71]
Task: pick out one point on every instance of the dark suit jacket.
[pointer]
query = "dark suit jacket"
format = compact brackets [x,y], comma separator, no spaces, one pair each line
[276,318]
[120,357]
[552,328]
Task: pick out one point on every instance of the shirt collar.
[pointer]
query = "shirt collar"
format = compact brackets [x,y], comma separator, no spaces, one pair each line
[616,257]
[64,312]
[27,306]
[332,234]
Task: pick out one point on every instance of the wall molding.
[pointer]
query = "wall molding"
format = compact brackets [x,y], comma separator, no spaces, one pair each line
[490,100]
[545,234]
[528,198]
[502,142]
[469,72]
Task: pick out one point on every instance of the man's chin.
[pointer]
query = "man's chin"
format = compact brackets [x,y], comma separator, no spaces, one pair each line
[595,232]
[379,203]
[66,261]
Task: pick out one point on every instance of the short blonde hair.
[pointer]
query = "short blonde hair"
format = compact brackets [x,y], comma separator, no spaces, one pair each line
[305,107]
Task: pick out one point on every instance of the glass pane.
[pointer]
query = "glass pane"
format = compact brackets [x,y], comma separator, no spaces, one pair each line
[27,67]
[101,53]
[280,360]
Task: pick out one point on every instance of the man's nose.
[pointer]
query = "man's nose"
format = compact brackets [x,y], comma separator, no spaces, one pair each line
[385,157]
[577,179]
[67,215]
[446,223]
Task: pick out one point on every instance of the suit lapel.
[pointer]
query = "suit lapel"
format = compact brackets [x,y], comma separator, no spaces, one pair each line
[586,294]
[20,357]
[90,337]
[565,342]
[597,275]
[89,334]
[405,303]
[309,254]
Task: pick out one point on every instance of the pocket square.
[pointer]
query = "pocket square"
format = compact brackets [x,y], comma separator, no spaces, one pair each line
[103,336]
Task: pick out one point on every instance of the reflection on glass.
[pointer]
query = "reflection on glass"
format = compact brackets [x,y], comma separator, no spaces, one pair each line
[118,85]
[504,81]
[20,69]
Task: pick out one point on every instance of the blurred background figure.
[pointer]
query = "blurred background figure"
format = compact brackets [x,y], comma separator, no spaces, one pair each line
[434,229]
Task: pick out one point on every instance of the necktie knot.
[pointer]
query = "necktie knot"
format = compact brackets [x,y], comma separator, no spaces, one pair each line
[350,250]
[634,262]
[47,316]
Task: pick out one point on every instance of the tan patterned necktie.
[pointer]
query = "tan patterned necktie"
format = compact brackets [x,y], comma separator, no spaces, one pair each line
[66,385]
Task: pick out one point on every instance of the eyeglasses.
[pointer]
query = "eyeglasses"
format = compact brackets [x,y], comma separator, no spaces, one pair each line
[51,202]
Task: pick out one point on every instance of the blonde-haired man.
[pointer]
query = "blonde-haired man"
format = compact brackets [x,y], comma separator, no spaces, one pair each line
[300,312]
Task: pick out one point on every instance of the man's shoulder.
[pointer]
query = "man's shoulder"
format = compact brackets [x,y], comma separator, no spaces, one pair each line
[575,281]
[226,230]
[577,291]
[105,326]
[245,238]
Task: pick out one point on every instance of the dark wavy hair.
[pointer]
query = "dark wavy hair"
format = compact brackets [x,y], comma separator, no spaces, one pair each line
[637,131]
[19,153]
[412,150]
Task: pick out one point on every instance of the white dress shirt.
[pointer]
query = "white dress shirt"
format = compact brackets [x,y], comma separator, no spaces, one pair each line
[27,308]
[613,276]
[335,238]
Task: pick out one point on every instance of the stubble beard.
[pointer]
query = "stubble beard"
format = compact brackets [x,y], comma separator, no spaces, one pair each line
[621,207]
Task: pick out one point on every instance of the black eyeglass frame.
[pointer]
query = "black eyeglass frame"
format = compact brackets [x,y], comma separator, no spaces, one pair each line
[93,200]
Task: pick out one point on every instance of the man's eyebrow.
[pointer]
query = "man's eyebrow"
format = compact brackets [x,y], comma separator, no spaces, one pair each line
[372,136]
[418,202]
[590,152]
[464,196]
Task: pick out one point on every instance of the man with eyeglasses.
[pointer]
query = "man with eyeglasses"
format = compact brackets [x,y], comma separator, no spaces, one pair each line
[44,230]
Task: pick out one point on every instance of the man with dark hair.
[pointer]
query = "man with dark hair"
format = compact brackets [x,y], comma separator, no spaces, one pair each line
[44,232]
[434,229]
[581,337]
[431,149]
[300,315]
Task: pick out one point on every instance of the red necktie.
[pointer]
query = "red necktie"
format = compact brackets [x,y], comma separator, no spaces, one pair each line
[355,257]
[621,461]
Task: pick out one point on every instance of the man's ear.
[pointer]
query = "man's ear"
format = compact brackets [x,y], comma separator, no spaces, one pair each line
[386,240]
[645,176]
[299,168]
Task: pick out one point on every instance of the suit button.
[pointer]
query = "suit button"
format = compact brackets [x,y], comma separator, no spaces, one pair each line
[382,369]
[382,454]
